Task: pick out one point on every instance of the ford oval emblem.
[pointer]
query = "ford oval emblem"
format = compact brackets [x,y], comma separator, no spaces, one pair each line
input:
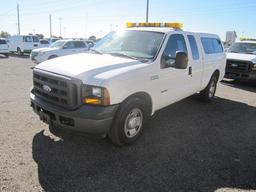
[47,88]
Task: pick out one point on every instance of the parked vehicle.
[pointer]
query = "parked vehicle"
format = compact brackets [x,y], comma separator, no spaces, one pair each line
[43,43]
[57,49]
[127,77]
[52,40]
[241,61]
[23,43]
[4,47]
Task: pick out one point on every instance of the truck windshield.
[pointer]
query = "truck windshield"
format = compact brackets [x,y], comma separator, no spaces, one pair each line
[58,44]
[246,48]
[132,44]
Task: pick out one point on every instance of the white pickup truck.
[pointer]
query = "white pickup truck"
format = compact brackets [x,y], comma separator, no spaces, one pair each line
[241,61]
[130,74]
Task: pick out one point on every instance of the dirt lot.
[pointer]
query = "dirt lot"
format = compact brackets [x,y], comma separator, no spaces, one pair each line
[189,146]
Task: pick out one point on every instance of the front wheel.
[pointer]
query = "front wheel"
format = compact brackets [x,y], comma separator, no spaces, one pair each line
[129,122]
[52,57]
[208,93]
[20,53]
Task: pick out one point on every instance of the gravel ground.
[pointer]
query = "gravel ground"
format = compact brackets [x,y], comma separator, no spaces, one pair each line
[189,146]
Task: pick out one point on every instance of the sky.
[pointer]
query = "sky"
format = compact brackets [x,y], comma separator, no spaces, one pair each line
[83,18]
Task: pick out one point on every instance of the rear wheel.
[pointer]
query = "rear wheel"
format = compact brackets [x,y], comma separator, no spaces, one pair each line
[208,93]
[129,122]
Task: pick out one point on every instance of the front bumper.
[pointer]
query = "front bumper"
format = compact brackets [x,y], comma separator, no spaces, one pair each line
[4,51]
[240,75]
[88,119]
[27,51]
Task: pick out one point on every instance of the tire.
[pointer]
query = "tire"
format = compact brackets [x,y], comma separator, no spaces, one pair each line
[52,57]
[129,122]
[6,55]
[19,51]
[208,94]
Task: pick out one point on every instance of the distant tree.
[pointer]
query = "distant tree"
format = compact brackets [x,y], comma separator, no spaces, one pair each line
[40,36]
[4,34]
[93,38]
[58,37]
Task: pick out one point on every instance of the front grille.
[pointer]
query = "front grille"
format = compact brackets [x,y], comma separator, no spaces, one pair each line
[55,89]
[238,66]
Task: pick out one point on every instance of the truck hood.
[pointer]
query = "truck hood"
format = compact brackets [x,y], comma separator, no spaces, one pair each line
[89,67]
[243,57]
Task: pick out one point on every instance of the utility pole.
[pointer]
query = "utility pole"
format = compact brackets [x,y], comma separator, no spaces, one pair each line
[60,25]
[18,16]
[50,26]
[147,11]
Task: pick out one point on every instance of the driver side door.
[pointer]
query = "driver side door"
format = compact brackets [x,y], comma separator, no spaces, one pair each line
[173,82]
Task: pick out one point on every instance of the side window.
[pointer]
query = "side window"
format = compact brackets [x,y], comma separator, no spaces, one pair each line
[79,44]
[69,45]
[175,43]
[27,39]
[2,41]
[194,47]
[211,45]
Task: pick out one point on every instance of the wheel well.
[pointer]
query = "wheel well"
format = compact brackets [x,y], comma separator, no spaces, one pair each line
[216,72]
[52,56]
[145,97]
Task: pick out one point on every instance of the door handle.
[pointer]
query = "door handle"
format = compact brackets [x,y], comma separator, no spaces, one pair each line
[190,70]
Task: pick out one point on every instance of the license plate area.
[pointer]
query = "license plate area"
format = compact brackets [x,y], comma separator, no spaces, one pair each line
[45,117]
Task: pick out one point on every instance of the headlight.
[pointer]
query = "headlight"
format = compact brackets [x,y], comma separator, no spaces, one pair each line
[95,95]
[41,53]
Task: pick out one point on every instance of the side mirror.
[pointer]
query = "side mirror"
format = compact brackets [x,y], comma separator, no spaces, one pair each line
[181,60]
[65,47]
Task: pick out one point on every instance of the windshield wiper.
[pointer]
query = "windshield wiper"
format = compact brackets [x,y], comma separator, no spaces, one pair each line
[97,51]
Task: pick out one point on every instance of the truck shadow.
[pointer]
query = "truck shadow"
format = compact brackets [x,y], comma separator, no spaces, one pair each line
[244,85]
[189,146]
[25,56]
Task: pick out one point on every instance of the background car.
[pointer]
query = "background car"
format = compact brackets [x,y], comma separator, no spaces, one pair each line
[23,43]
[43,43]
[241,61]
[52,40]
[4,47]
[57,49]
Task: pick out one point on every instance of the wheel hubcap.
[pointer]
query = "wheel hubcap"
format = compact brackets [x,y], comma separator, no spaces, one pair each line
[133,123]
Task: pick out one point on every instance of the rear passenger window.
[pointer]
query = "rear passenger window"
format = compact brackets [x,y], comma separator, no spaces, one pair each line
[211,45]
[194,47]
